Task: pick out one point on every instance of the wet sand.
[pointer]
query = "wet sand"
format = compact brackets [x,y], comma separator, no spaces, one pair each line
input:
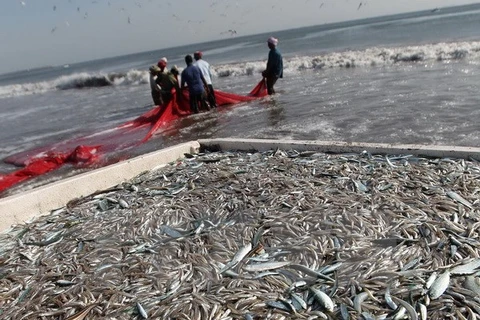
[262,235]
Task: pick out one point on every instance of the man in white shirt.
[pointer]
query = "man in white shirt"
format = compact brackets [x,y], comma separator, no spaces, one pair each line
[204,67]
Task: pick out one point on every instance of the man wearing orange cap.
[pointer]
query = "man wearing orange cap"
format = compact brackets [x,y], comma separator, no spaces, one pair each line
[204,67]
[162,63]
[167,81]
[274,65]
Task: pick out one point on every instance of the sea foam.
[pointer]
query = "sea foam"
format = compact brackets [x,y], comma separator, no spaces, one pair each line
[375,56]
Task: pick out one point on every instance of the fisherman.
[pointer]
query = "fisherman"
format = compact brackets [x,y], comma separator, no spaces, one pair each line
[204,67]
[174,71]
[167,81]
[192,76]
[155,89]
[274,65]
[162,64]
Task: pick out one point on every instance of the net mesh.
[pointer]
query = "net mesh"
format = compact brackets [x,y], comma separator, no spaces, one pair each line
[93,150]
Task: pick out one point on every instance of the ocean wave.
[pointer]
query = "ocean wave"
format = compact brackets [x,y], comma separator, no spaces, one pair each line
[76,81]
[375,56]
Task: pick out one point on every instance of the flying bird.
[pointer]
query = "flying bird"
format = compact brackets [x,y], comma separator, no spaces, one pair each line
[53,29]
[54,8]
[23,3]
[359,5]
[231,31]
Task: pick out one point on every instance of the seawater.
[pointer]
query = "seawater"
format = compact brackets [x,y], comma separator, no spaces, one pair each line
[410,78]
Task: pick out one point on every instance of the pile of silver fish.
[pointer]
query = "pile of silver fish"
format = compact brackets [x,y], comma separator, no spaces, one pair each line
[261,235]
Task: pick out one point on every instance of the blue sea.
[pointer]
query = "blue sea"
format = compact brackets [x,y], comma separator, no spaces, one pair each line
[410,78]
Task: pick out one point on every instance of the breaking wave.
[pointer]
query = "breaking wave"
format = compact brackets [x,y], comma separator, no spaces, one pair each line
[76,81]
[375,56]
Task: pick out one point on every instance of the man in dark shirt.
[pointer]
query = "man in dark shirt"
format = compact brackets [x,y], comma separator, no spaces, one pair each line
[192,76]
[274,65]
[164,82]
[167,82]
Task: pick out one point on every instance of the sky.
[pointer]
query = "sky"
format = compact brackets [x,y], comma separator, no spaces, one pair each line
[37,33]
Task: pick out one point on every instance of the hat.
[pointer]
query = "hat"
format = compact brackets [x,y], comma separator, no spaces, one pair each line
[162,62]
[154,69]
[174,70]
[273,41]
[198,54]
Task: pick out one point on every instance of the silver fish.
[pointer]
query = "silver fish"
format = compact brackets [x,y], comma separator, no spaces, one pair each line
[357,302]
[388,299]
[344,312]
[330,268]
[296,284]
[439,285]
[310,272]
[423,311]
[431,279]
[227,272]
[324,300]
[279,305]
[299,300]
[123,203]
[411,311]
[467,268]
[238,257]
[472,283]
[266,266]
[458,198]
[141,311]
[265,274]
[64,283]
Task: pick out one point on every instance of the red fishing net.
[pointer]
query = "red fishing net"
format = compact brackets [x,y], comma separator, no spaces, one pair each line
[93,150]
